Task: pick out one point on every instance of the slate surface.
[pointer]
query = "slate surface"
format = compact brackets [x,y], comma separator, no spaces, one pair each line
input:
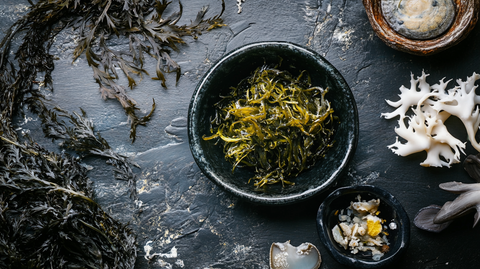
[193,224]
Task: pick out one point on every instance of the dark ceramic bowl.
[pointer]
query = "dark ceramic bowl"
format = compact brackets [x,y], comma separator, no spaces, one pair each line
[390,209]
[228,72]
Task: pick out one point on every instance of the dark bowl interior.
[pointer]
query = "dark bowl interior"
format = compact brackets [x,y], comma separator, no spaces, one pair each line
[390,210]
[228,72]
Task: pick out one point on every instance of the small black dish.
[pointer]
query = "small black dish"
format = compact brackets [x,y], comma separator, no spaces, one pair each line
[390,210]
[228,72]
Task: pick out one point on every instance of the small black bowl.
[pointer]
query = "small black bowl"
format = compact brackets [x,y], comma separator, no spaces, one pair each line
[390,209]
[228,72]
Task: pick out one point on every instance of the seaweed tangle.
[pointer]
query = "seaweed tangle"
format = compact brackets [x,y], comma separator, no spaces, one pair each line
[78,134]
[48,218]
[276,123]
[140,22]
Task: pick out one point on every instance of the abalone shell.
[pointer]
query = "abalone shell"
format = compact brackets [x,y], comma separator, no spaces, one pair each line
[419,19]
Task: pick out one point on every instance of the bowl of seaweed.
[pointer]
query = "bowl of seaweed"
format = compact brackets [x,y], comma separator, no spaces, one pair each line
[273,123]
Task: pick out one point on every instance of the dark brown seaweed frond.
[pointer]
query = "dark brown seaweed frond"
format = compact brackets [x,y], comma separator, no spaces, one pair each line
[79,135]
[97,22]
[47,218]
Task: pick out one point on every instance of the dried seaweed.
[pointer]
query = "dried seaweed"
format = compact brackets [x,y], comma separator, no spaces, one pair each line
[48,218]
[274,122]
[96,22]
[79,135]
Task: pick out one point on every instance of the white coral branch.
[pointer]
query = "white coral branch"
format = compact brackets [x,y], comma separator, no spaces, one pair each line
[431,106]
[408,96]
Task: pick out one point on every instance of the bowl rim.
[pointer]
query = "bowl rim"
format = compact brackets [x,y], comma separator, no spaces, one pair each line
[290,198]
[384,196]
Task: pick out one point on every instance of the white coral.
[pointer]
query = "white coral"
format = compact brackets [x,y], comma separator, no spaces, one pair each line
[409,97]
[431,106]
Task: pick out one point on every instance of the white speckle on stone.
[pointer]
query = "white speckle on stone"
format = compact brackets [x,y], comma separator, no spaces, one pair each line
[239,5]
[180,263]
[148,248]
[343,36]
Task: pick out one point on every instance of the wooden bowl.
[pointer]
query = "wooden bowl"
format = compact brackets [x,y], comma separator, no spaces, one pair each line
[465,20]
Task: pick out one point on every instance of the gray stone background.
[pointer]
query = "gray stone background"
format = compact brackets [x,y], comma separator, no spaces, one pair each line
[186,219]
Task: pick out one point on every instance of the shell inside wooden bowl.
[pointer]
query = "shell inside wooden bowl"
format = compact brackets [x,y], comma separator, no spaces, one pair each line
[418,43]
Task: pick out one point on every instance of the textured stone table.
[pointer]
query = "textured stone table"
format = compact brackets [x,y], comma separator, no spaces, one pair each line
[188,220]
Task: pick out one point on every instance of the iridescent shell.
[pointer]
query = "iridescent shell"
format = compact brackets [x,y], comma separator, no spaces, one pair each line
[284,255]
[419,19]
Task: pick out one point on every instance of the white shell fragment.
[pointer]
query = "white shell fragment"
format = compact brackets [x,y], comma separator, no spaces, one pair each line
[366,206]
[419,19]
[286,256]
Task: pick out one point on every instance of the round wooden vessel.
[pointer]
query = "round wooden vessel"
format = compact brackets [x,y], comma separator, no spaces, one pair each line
[465,20]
